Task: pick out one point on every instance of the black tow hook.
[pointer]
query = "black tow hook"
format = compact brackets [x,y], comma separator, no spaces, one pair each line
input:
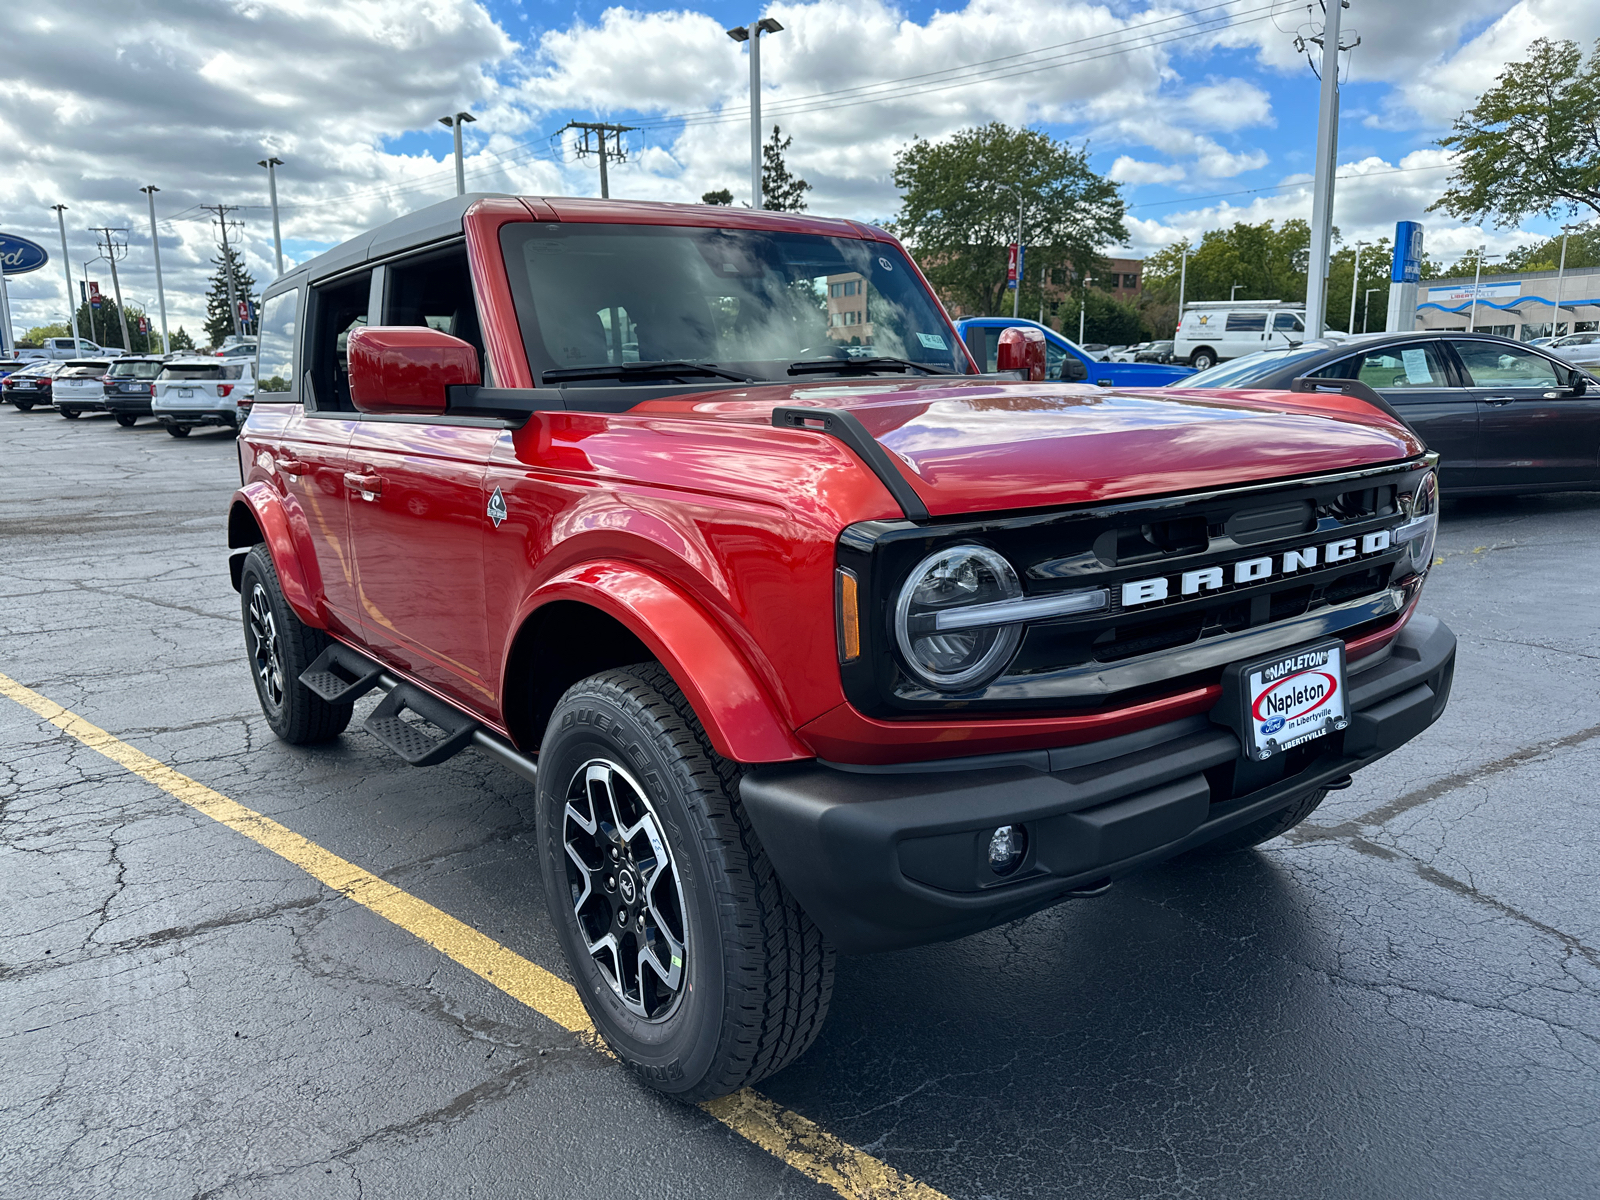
[1098,888]
[1339,785]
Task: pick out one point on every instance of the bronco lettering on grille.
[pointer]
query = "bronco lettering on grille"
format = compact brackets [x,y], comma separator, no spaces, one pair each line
[1253,570]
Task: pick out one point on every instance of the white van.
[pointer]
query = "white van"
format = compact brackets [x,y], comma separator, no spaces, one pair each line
[1214,331]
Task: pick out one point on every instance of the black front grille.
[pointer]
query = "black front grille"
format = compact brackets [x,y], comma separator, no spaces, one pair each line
[1127,651]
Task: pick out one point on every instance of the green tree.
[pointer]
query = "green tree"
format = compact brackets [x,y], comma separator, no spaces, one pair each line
[1531,145]
[780,190]
[1583,250]
[181,339]
[106,329]
[958,211]
[219,317]
[35,336]
[1106,320]
[1375,263]
[721,196]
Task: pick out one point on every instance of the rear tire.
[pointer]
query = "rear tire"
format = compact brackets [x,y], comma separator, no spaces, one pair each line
[648,857]
[126,420]
[24,405]
[1203,359]
[178,431]
[70,414]
[280,647]
[1268,827]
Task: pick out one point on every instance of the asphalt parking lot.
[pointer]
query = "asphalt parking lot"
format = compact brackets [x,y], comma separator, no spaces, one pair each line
[1398,1001]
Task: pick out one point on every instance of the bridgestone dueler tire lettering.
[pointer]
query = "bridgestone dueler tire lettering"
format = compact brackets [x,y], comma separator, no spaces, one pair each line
[302,717]
[1268,827]
[760,974]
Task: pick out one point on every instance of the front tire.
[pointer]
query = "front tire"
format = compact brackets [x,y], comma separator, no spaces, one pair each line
[281,646]
[696,965]
[126,420]
[1272,825]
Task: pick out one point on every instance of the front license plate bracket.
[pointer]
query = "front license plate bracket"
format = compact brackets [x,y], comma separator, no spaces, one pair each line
[1285,699]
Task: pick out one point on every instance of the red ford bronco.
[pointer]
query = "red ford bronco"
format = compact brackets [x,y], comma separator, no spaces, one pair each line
[808,635]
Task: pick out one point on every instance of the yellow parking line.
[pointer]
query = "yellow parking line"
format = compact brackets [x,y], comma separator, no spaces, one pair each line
[801,1143]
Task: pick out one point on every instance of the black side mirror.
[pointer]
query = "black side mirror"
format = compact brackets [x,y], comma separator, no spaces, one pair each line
[1073,369]
[1580,383]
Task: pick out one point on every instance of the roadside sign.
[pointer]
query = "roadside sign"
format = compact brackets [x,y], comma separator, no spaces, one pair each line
[19,255]
[94,293]
[244,311]
[1407,264]
[144,324]
[1014,253]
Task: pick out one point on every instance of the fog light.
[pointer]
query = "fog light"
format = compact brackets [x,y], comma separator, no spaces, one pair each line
[1007,845]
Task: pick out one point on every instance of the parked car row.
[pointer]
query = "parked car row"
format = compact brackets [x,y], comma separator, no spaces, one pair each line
[181,392]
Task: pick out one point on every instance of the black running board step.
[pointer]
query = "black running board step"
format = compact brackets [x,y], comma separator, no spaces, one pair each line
[341,674]
[416,745]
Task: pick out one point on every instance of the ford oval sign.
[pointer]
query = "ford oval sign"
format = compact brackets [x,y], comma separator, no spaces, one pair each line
[20,255]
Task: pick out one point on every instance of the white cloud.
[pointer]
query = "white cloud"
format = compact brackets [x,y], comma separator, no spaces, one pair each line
[1131,170]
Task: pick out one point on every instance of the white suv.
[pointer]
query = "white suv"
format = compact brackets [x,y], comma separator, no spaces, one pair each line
[203,391]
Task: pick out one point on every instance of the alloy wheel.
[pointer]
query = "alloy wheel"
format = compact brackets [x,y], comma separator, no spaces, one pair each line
[266,652]
[626,894]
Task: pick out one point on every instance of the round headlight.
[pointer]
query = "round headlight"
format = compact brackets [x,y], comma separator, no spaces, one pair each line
[1423,527]
[954,660]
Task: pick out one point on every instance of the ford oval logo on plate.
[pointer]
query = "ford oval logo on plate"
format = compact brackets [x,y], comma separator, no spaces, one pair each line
[20,255]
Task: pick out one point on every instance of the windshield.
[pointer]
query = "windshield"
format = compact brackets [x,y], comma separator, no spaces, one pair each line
[83,371]
[753,301]
[1241,372]
[134,370]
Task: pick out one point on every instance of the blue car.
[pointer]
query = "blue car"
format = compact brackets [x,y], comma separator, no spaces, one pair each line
[1065,359]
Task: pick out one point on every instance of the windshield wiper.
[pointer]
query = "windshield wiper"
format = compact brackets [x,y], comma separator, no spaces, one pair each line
[642,370]
[822,366]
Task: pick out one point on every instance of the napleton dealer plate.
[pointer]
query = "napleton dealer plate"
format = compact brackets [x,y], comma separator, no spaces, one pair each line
[1292,698]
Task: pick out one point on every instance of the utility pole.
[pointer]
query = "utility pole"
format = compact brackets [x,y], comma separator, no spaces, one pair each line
[752,34]
[66,265]
[1183,279]
[1355,282]
[8,337]
[116,285]
[155,245]
[272,195]
[600,132]
[1327,157]
[1477,275]
[1555,325]
[222,211]
[1016,296]
[453,123]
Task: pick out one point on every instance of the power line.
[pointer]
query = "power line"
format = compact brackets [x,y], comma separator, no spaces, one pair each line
[1282,186]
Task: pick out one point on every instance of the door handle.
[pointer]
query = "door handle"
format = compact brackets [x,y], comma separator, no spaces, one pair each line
[1498,401]
[370,486]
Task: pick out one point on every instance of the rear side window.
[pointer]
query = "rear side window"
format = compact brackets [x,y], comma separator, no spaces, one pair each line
[280,316]
[1392,367]
[89,372]
[333,310]
[135,370]
[1247,322]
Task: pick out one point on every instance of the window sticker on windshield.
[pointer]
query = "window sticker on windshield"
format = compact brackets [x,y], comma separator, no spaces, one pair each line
[933,341]
[885,264]
[1416,361]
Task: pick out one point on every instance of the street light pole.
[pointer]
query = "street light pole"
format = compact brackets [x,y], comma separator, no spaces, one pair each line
[1355,282]
[1232,290]
[161,292]
[1477,275]
[66,266]
[1016,297]
[452,122]
[1366,307]
[752,34]
[1322,187]
[1183,279]
[1561,270]
[271,163]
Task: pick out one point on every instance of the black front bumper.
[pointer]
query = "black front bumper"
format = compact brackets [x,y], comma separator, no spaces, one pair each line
[882,858]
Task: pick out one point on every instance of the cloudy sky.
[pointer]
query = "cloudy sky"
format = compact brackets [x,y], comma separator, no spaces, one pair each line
[1205,111]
